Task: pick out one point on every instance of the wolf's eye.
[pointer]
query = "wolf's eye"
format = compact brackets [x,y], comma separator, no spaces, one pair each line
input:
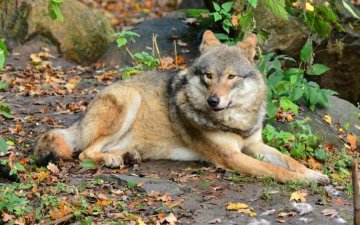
[231,76]
[208,75]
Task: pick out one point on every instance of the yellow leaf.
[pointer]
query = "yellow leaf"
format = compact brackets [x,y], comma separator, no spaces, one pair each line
[327,118]
[141,222]
[309,7]
[298,196]
[236,206]
[352,141]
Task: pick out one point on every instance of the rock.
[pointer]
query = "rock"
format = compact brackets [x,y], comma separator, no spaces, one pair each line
[340,111]
[191,4]
[167,29]
[148,184]
[82,36]
[286,36]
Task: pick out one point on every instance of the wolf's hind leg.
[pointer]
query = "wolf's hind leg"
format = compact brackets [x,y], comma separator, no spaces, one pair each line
[273,156]
[108,120]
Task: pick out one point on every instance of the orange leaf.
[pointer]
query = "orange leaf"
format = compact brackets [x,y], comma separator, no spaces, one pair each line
[352,141]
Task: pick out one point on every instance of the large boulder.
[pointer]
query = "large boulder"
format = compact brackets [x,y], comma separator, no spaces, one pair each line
[82,36]
[167,30]
[341,112]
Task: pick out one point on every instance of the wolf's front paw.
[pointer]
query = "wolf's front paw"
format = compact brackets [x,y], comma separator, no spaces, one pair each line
[119,160]
[314,176]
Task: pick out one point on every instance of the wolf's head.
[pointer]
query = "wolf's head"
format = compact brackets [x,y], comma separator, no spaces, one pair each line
[225,76]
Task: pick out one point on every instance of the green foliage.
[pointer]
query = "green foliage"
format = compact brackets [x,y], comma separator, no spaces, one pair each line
[5,111]
[3,145]
[3,86]
[286,87]
[16,168]
[223,13]
[3,53]
[277,7]
[142,60]
[54,10]
[88,164]
[299,142]
[123,37]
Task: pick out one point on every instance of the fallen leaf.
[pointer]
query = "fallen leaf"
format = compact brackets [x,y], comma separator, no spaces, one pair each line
[103,202]
[6,217]
[339,202]
[141,222]
[327,118]
[329,212]
[171,219]
[298,196]
[280,220]
[313,163]
[352,141]
[53,168]
[236,206]
[235,20]
[241,208]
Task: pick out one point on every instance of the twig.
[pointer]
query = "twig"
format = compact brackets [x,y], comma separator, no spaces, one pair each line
[356,194]
[132,56]
[175,52]
[157,50]
[61,220]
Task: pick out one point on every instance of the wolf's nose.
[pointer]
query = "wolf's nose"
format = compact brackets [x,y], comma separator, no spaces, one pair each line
[213,101]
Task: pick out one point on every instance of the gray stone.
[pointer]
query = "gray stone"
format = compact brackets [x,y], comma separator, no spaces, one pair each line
[167,29]
[341,111]
[149,184]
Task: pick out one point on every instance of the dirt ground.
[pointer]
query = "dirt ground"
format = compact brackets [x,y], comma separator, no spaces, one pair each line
[43,97]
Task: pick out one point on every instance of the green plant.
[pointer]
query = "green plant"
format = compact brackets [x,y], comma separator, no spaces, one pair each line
[223,13]
[142,60]
[5,111]
[286,87]
[54,10]
[13,201]
[3,53]
[299,143]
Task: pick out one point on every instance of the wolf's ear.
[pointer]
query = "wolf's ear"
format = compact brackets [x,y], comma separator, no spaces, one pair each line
[249,46]
[209,40]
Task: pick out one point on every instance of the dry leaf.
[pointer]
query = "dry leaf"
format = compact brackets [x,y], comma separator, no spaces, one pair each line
[235,20]
[329,212]
[53,168]
[141,222]
[103,202]
[313,163]
[241,208]
[236,206]
[298,196]
[352,141]
[327,119]
[6,217]
[171,219]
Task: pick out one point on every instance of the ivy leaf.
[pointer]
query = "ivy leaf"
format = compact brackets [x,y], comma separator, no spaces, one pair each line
[306,52]
[297,93]
[317,69]
[293,71]
[277,7]
[253,3]
[227,6]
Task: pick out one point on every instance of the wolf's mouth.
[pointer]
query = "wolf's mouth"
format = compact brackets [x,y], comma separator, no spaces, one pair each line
[220,109]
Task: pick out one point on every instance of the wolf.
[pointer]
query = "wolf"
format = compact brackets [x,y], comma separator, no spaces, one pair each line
[213,111]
